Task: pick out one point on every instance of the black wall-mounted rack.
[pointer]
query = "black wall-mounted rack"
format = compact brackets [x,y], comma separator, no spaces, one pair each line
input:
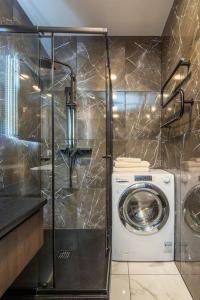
[178,115]
[177,91]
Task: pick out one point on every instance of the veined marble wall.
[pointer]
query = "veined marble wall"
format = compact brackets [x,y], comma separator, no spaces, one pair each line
[20,147]
[136,97]
[180,143]
[136,62]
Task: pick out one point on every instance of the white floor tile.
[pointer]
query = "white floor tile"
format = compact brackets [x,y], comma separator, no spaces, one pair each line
[120,287]
[119,268]
[158,287]
[164,268]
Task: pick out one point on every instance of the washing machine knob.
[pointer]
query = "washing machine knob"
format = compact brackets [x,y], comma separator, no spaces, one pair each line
[166,180]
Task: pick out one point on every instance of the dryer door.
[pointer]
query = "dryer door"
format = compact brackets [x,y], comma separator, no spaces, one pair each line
[191,209]
[143,208]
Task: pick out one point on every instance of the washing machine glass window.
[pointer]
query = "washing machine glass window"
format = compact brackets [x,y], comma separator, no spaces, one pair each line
[191,209]
[143,208]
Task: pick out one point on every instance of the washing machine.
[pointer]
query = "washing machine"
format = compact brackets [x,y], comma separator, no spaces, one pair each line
[143,216]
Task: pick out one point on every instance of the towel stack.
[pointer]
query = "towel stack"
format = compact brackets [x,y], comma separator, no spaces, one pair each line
[192,165]
[129,164]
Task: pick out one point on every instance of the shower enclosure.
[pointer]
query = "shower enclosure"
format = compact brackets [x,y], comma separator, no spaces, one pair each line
[58,109]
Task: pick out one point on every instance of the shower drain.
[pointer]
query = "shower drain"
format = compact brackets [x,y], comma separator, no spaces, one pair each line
[64,254]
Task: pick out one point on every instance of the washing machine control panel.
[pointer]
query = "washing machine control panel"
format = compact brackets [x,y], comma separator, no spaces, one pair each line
[143,178]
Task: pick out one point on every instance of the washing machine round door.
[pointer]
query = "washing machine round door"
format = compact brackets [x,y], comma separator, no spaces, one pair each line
[191,209]
[143,208]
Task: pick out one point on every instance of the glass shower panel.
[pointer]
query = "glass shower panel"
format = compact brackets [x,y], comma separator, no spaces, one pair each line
[25,138]
[80,164]
[19,105]
[190,214]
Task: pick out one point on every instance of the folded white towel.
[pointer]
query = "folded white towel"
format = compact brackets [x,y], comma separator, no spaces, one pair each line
[128,159]
[130,170]
[120,164]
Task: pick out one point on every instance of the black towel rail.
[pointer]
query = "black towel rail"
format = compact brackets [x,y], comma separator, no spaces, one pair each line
[177,91]
[182,62]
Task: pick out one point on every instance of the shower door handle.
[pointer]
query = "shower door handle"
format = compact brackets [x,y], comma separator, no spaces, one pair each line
[107,156]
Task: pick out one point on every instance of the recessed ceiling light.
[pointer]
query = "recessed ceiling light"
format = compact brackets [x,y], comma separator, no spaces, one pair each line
[21,77]
[114,108]
[25,76]
[148,116]
[115,116]
[36,88]
[114,96]
[113,76]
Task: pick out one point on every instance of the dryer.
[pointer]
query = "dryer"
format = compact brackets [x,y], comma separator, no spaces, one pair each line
[190,216]
[143,216]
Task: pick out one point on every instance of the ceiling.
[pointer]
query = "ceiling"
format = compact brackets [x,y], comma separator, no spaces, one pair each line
[121,17]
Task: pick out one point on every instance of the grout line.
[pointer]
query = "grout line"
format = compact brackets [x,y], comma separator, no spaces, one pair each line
[129,280]
[153,274]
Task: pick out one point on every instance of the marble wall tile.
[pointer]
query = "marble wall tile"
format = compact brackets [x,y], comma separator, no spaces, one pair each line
[133,108]
[142,115]
[118,62]
[91,61]
[6,12]
[143,62]
[138,127]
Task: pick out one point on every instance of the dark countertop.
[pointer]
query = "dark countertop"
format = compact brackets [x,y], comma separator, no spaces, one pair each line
[15,210]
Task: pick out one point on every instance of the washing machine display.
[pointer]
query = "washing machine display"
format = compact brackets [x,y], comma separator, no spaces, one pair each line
[143,208]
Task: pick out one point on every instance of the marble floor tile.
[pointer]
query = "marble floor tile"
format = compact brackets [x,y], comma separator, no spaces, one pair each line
[120,287]
[119,268]
[158,287]
[164,268]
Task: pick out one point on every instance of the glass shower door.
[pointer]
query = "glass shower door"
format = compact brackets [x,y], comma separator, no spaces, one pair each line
[80,164]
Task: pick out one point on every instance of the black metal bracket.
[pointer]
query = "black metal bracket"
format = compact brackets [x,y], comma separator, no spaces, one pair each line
[182,62]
